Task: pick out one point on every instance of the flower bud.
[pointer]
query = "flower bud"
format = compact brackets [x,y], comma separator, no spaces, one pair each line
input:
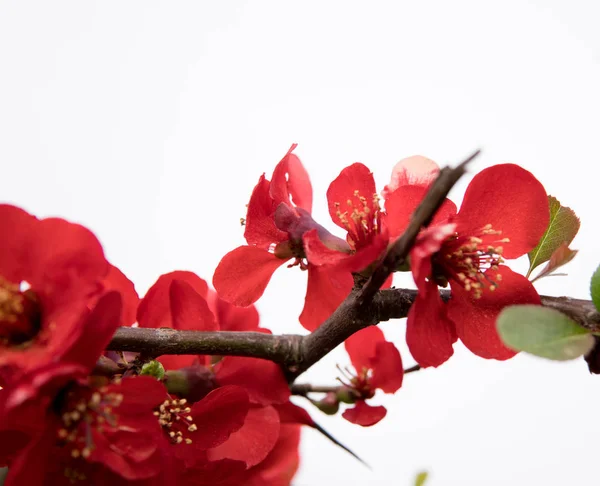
[328,405]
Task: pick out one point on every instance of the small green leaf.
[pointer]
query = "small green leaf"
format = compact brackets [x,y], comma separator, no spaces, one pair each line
[421,478]
[595,288]
[561,256]
[562,228]
[543,332]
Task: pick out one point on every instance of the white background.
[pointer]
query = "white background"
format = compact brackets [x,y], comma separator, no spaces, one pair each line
[150,122]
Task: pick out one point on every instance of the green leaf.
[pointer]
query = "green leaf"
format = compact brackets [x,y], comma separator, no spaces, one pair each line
[562,228]
[561,256]
[543,332]
[595,288]
[421,478]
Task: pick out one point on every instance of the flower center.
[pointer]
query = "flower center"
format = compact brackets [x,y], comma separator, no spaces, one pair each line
[92,411]
[359,219]
[359,383]
[20,313]
[174,416]
[465,259]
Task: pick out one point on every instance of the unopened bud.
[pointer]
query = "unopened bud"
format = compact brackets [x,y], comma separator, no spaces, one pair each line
[346,395]
[328,405]
[193,382]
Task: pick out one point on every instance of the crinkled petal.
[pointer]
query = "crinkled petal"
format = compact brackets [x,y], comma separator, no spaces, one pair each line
[263,380]
[387,367]
[364,414]
[345,193]
[428,242]
[429,333]
[155,308]
[189,310]
[253,442]
[244,273]
[290,182]
[475,319]
[401,203]
[326,290]
[412,171]
[260,229]
[513,201]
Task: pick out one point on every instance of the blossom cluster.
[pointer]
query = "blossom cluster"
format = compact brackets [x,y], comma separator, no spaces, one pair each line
[73,413]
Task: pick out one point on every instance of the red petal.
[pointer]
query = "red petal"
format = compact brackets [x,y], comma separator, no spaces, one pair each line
[189,310]
[325,291]
[116,280]
[363,414]
[513,201]
[231,317]
[429,333]
[262,379]
[155,308]
[428,242]
[260,229]
[218,415]
[17,226]
[281,464]
[139,393]
[319,254]
[65,259]
[290,181]
[341,195]
[362,346]
[401,204]
[475,319]
[387,368]
[367,255]
[412,171]
[85,343]
[253,442]
[388,282]
[290,413]
[244,273]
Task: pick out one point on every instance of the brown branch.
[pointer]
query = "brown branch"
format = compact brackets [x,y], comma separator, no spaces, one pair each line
[362,308]
[288,350]
[156,342]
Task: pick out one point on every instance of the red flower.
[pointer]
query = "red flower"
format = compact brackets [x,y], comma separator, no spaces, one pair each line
[48,269]
[278,222]
[82,429]
[178,300]
[503,215]
[378,366]
[354,206]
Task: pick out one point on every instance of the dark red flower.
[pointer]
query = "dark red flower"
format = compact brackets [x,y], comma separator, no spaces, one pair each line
[503,215]
[277,222]
[378,365]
